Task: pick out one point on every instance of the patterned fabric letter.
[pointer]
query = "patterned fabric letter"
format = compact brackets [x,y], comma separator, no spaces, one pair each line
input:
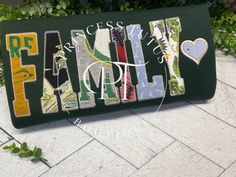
[170,49]
[98,59]
[21,74]
[56,77]
[128,92]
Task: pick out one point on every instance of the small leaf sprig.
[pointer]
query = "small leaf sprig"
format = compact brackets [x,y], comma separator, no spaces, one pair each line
[23,151]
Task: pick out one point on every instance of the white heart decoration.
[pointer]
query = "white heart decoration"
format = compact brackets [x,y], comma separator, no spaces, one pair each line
[195,50]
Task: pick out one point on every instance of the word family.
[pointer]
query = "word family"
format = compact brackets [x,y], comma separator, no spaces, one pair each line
[95,65]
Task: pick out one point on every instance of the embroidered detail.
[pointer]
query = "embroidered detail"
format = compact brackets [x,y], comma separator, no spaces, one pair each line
[56,77]
[128,92]
[170,49]
[21,74]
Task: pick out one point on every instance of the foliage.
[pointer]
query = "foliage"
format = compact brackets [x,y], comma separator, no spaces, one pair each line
[225,32]
[35,9]
[23,151]
[44,8]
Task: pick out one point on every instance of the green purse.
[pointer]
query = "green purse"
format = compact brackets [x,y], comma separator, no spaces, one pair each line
[67,67]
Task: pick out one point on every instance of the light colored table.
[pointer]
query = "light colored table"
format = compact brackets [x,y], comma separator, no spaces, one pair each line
[196,139]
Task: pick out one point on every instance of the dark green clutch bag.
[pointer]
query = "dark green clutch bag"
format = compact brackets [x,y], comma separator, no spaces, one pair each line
[73,66]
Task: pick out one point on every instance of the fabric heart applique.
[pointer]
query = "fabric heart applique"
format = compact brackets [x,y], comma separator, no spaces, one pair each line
[195,50]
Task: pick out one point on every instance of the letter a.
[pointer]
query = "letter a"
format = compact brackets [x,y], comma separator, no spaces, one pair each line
[56,77]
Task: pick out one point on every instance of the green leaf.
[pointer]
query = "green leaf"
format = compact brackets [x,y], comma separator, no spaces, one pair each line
[21,154]
[43,10]
[5,147]
[15,150]
[37,152]
[12,146]
[49,10]
[24,146]
[3,18]
[175,37]
[28,153]
[176,66]
[23,11]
